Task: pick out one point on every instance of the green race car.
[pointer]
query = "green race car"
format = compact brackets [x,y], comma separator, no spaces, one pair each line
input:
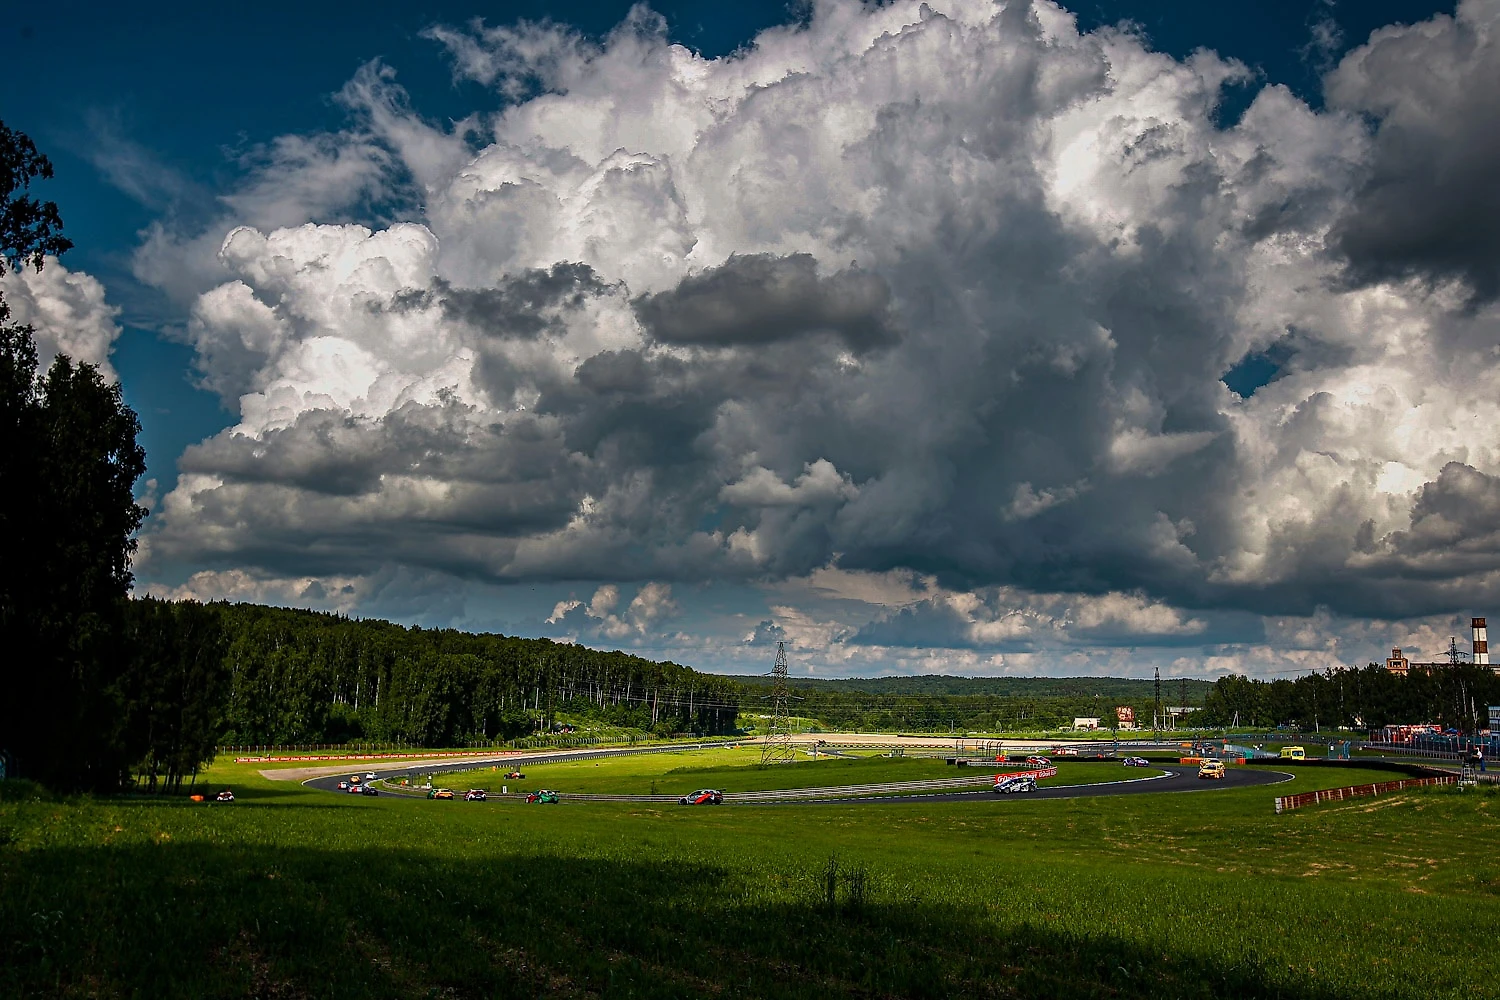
[542,795]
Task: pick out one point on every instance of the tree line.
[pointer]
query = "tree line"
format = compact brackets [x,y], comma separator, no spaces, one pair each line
[305,677]
[935,703]
[1369,697]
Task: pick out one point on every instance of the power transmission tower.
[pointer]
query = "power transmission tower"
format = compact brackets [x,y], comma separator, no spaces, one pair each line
[1156,715]
[777,748]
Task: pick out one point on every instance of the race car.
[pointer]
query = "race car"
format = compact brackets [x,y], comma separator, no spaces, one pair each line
[702,797]
[543,796]
[343,786]
[1211,768]
[369,775]
[440,793]
[368,790]
[1038,761]
[1137,762]
[1015,783]
[356,789]
[514,774]
[225,796]
[475,795]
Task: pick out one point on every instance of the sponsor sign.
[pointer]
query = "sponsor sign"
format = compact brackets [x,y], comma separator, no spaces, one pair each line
[1494,717]
[1125,714]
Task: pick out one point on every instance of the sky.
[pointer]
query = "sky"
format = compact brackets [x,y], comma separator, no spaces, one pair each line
[959,337]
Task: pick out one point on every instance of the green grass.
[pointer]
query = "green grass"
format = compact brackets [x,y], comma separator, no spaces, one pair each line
[294,893]
[739,771]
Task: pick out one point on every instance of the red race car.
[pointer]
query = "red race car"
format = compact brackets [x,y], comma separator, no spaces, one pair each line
[702,797]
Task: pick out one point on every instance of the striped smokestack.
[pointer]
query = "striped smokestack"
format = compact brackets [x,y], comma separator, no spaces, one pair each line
[1481,641]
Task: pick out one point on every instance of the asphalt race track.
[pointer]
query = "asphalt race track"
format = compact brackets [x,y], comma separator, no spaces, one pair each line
[1157,778]
[1177,778]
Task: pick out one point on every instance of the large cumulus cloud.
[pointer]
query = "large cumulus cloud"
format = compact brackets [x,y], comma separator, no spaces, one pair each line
[944,288]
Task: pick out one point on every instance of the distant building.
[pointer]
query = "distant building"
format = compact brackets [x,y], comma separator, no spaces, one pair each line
[1479,654]
[1085,723]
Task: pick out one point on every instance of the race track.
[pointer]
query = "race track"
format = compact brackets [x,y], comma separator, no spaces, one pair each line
[1159,778]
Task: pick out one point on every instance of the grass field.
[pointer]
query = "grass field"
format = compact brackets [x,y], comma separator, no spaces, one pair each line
[731,770]
[291,893]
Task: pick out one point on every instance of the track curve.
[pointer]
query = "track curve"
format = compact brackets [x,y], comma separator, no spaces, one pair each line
[1169,778]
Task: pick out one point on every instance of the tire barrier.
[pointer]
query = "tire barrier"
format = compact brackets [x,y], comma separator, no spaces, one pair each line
[1288,802]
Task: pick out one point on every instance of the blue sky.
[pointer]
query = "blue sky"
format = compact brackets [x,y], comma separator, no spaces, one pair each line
[177,120]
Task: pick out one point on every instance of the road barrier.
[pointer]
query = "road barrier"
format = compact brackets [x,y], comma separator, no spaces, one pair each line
[1287,802]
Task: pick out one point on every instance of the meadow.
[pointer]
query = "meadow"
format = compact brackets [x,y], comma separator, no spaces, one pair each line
[738,770]
[293,893]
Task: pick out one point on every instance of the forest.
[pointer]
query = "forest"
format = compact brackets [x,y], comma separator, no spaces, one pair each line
[1364,698]
[308,677]
[927,703]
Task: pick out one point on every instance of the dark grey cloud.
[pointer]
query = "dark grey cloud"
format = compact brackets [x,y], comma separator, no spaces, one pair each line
[519,305]
[1060,256]
[762,298]
[1429,207]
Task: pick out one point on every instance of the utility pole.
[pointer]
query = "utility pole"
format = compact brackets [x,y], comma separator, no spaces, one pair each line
[778,746]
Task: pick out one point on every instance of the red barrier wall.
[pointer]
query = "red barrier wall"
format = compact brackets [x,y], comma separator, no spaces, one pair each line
[1286,802]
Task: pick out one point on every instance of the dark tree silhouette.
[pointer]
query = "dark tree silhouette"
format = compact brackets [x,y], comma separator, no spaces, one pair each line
[68,465]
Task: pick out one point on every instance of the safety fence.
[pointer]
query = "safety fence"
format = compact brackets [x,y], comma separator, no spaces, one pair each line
[1288,802]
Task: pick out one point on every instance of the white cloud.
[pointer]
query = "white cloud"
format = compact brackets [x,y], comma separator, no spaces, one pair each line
[67,312]
[938,294]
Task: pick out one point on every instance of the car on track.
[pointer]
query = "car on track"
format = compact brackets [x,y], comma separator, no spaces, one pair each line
[1035,761]
[343,786]
[356,789]
[702,797]
[1015,783]
[543,796]
[225,796]
[1137,762]
[514,774]
[368,790]
[369,775]
[1065,751]
[475,795]
[355,779]
[440,793]
[1211,768]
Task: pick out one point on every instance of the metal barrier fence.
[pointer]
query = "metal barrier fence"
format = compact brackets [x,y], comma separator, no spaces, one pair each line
[1285,803]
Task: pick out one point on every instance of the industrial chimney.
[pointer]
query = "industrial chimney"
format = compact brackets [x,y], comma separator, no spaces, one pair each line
[1481,641]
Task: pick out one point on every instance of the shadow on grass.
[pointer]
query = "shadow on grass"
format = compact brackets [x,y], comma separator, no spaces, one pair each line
[208,921]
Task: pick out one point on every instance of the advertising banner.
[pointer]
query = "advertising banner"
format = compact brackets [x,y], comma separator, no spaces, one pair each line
[1126,715]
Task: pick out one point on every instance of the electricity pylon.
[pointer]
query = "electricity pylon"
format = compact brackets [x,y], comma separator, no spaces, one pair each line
[777,748]
[1156,715]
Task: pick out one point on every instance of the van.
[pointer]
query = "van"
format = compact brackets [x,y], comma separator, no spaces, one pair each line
[1294,753]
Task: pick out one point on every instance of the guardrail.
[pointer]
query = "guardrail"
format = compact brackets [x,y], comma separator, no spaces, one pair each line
[1285,803]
